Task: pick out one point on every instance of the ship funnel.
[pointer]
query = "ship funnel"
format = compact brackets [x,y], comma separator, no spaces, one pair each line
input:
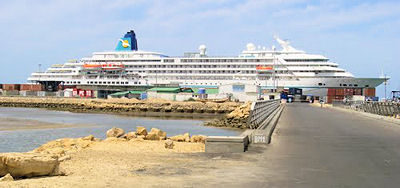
[128,42]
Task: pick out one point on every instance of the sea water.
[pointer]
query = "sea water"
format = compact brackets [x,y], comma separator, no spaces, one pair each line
[90,123]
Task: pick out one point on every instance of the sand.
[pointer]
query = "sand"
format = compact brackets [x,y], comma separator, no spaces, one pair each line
[143,163]
[116,164]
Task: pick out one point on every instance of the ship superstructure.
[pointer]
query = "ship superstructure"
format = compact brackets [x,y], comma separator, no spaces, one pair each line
[268,68]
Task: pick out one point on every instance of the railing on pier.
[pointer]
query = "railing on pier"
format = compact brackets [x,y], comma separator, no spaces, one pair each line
[380,108]
[260,111]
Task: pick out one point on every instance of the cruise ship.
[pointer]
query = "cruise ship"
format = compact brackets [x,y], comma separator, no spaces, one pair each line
[269,68]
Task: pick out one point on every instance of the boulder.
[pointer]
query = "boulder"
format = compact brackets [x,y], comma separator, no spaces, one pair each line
[7,177]
[28,165]
[61,146]
[198,138]
[156,134]
[181,138]
[3,169]
[130,135]
[152,136]
[115,132]
[141,131]
[90,138]
[187,137]
[169,144]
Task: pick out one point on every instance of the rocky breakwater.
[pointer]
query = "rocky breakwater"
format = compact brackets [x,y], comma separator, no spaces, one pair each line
[238,118]
[46,159]
[119,105]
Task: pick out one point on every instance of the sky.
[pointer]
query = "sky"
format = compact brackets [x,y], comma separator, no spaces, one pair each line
[362,36]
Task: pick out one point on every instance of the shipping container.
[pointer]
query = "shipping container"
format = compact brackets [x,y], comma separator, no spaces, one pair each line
[89,93]
[31,87]
[11,87]
[369,92]
[329,99]
[337,97]
[348,92]
[332,92]
[339,92]
[74,92]
[81,93]
[358,91]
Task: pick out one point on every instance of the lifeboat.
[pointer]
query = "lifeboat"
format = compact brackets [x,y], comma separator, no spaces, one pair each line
[105,66]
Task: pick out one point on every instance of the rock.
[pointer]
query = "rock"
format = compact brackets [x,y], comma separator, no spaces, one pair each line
[130,135]
[177,138]
[187,137]
[7,177]
[90,138]
[169,144]
[28,164]
[3,168]
[156,134]
[198,138]
[114,139]
[139,138]
[115,132]
[152,136]
[64,158]
[141,131]
[57,151]
[96,140]
[181,138]
[242,112]
[61,146]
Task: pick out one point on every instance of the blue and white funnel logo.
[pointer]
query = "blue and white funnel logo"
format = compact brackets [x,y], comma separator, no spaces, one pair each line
[124,44]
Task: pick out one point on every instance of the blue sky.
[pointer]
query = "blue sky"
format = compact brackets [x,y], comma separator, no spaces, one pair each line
[362,36]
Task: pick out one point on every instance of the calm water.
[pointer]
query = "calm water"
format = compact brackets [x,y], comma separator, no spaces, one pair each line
[95,124]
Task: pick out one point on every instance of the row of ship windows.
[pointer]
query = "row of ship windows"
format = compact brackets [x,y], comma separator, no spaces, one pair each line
[95,82]
[223,60]
[323,71]
[192,78]
[190,66]
[351,85]
[128,56]
[218,66]
[344,85]
[305,60]
[206,71]
[231,71]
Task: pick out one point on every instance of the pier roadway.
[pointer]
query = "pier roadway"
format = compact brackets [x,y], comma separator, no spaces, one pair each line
[324,147]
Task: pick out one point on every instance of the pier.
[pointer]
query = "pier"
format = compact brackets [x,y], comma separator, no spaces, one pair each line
[326,147]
